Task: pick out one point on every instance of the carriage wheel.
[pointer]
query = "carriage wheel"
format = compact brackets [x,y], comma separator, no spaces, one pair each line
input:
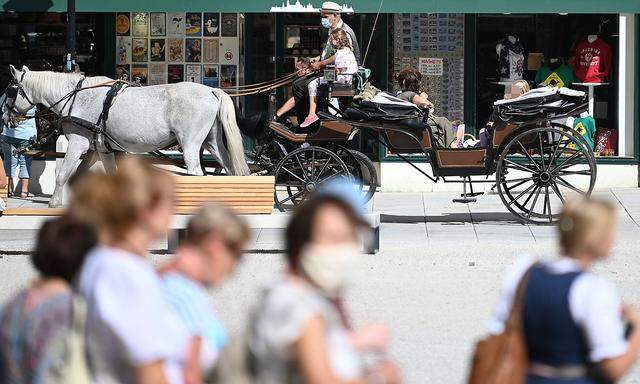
[540,168]
[363,171]
[300,173]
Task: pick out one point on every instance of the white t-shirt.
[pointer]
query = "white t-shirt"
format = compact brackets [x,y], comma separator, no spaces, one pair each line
[594,305]
[129,323]
[278,322]
[346,63]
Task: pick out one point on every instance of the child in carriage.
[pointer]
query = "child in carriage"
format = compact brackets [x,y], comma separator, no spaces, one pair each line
[346,66]
[303,68]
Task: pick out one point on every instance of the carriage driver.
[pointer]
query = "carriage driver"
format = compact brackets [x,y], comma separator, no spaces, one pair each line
[331,20]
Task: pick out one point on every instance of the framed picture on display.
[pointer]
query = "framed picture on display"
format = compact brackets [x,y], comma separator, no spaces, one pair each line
[157,50]
[175,73]
[175,24]
[140,24]
[158,24]
[211,24]
[193,24]
[123,24]
[193,50]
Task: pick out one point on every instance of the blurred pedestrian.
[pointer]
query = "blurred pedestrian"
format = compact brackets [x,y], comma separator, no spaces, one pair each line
[15,137]
[133,335]
[573,320]
[35,323]
[211,251]
[299,332]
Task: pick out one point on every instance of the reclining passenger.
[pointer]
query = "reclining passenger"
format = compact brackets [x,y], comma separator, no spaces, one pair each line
[346,66]
[410,82]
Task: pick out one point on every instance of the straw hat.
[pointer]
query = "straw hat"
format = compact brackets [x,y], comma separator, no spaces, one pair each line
[331,7]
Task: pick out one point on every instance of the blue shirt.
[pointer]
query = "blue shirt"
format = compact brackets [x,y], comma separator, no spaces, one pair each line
[189,299]
[25,130]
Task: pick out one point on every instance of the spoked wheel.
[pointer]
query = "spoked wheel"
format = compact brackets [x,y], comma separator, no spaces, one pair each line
[363,171]
[302,172]
[540,168]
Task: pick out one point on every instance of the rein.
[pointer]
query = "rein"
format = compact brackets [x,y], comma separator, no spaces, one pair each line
[257,88]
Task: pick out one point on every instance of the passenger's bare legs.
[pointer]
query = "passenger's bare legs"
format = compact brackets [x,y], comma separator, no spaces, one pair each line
[286,107]
[313,105]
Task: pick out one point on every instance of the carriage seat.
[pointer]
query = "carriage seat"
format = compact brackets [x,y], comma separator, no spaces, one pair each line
[386,107]
[287,134]
[544,102]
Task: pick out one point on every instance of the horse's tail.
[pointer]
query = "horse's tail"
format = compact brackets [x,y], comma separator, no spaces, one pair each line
[227,116]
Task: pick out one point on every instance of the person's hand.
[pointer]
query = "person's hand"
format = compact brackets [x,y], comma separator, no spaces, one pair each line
[632,315]
[385,373]
[424,94]
[372,336]
[313,60]
[316,65]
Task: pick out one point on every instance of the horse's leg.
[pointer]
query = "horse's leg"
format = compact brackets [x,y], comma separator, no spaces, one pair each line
[87,162]
[191,155]
[78,146]
[108,161]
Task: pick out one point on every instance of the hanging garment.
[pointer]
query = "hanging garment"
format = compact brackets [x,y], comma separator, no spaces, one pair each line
[586,126]
[593,61]
[555,76]
[512,60]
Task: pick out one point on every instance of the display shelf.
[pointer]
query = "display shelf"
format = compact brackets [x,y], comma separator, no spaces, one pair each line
[591,92]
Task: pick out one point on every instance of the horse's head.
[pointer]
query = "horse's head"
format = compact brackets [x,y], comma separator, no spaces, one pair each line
[17,101]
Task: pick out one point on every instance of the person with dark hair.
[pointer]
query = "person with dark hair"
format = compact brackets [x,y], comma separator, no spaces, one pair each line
[37,318]
[410,82]
[299,331]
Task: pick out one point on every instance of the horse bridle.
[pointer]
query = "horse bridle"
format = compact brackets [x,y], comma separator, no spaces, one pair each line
[11,92]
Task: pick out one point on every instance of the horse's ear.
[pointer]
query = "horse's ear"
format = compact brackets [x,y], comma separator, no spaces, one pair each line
[25,68]
[14,71]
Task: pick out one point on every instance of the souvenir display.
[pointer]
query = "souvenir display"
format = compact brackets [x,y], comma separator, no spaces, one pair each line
[157,74]
[139,73]
[175,24]
[157,50]
[210,50]
[139,50]
[193,73]
[511,58]
[123,50]
[193,50]
[434,45]
[211,24]
[123,24]
[158,24]
[176,50]
[123,72]
[211,75]
[140,24]
[228,76]
[229,24]
[193,24]
[556,74]
[175,73]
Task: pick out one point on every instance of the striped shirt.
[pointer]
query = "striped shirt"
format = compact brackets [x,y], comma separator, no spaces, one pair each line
[192,304]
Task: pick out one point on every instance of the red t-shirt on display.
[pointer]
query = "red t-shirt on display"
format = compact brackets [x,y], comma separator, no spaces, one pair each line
[592,63]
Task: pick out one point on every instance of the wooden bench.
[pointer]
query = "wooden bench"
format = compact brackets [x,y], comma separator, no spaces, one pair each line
[244,194]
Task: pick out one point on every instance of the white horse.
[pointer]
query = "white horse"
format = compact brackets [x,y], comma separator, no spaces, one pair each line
[141,119]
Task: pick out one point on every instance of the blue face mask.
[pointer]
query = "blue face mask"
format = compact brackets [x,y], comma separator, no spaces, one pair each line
[326,23]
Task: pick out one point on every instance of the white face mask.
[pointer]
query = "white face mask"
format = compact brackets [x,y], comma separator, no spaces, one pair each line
[330,267]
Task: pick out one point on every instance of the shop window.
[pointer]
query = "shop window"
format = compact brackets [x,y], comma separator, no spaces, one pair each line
[580,51]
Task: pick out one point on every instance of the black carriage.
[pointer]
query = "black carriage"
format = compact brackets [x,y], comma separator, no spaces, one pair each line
[537,161]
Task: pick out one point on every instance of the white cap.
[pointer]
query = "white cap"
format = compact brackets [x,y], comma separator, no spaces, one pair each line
[331,7]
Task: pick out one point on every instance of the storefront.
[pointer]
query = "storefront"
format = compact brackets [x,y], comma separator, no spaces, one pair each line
[468,51]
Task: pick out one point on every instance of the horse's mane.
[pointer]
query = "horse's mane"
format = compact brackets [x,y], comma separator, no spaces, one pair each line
[55,85]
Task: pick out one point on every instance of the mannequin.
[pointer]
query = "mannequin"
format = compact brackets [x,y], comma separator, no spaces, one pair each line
[511,58]
[555,73]
[593,60]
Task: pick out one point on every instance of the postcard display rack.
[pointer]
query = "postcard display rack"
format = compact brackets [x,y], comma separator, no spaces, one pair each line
[434,45]
[159,48]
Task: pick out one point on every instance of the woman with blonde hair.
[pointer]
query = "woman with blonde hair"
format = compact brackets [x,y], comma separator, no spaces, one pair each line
[572,318]
[133,336]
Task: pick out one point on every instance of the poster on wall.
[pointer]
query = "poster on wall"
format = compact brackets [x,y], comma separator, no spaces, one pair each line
[175,50]
[211,24]
[123,50]
[139,73]
[229,24]
[123,24]
[193,73]
[228,75]
[123,72]
[193,51]
[193,24]
[140,24]
[211,76]
[139,50]
[175,24]
[175,73]
[430,66]
[157,74]
[210,50]
[229,51]
[157,49]
[157,24]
